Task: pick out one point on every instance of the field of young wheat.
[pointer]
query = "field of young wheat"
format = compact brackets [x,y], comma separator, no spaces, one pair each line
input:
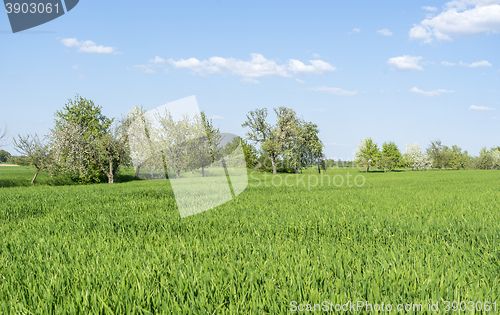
[401,237]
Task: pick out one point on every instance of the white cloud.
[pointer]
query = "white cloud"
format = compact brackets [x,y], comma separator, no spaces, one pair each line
[81,77]
[446,63]
[481,108]
[318,110]
[70,42]
[250,80]
[355,30]
[153,65]
[316,67]
[315,56]
[460,18]
[385,32]
[88,46]
[430,93]
[157,59]
[406,62]
[216,117]
[430,9]
[257,67]
[145,68]
[300,81]
[333,90]
[75,67]
[475,64]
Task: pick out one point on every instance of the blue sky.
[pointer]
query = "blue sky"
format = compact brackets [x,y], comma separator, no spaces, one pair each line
[395,70]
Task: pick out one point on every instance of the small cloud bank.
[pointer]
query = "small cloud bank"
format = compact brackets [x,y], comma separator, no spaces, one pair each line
[475,64]
[257,67]
[480,108]
[154,64]
[385,32]
[430,93]
[87,46]
[333,91]
[406,62]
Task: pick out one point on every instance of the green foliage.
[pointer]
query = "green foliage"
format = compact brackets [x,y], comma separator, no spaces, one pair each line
[121,249]
[19,160]
[213,139]
[251,156]
[485,160]
[5,156]
[367,154]
[390,156]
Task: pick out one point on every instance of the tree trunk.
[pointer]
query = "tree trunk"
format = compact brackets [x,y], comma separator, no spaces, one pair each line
[178,173]
[137,171]
[34,177]
[202,171]
[273,161]
[111,176]
[319,170]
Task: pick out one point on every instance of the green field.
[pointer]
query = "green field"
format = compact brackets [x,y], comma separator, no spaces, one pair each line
[402,237]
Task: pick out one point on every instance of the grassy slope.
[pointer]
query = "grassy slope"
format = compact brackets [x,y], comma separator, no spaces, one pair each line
[403,237]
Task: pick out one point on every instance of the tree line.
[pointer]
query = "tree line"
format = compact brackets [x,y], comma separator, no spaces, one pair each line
[87,145]
[436,155]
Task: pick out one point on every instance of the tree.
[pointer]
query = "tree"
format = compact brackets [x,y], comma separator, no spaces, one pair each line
[458,158]
[305,147]
[485,160]
[250,153]
[261,132]
[209,144]
[136,125]
[178,141]
[5,156]
[36,151]
[367,153]
[495,156]
[436,152]
[85,143]
[390,156]
[415,158]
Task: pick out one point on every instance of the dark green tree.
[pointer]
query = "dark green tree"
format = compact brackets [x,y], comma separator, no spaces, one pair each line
[5,156]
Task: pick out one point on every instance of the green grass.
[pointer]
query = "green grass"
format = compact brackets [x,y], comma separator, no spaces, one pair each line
[403,237]
[13,176]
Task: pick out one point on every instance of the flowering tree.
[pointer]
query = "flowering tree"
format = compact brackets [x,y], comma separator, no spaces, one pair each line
[84,142]
[367,153]
[495,155]
[415,158]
